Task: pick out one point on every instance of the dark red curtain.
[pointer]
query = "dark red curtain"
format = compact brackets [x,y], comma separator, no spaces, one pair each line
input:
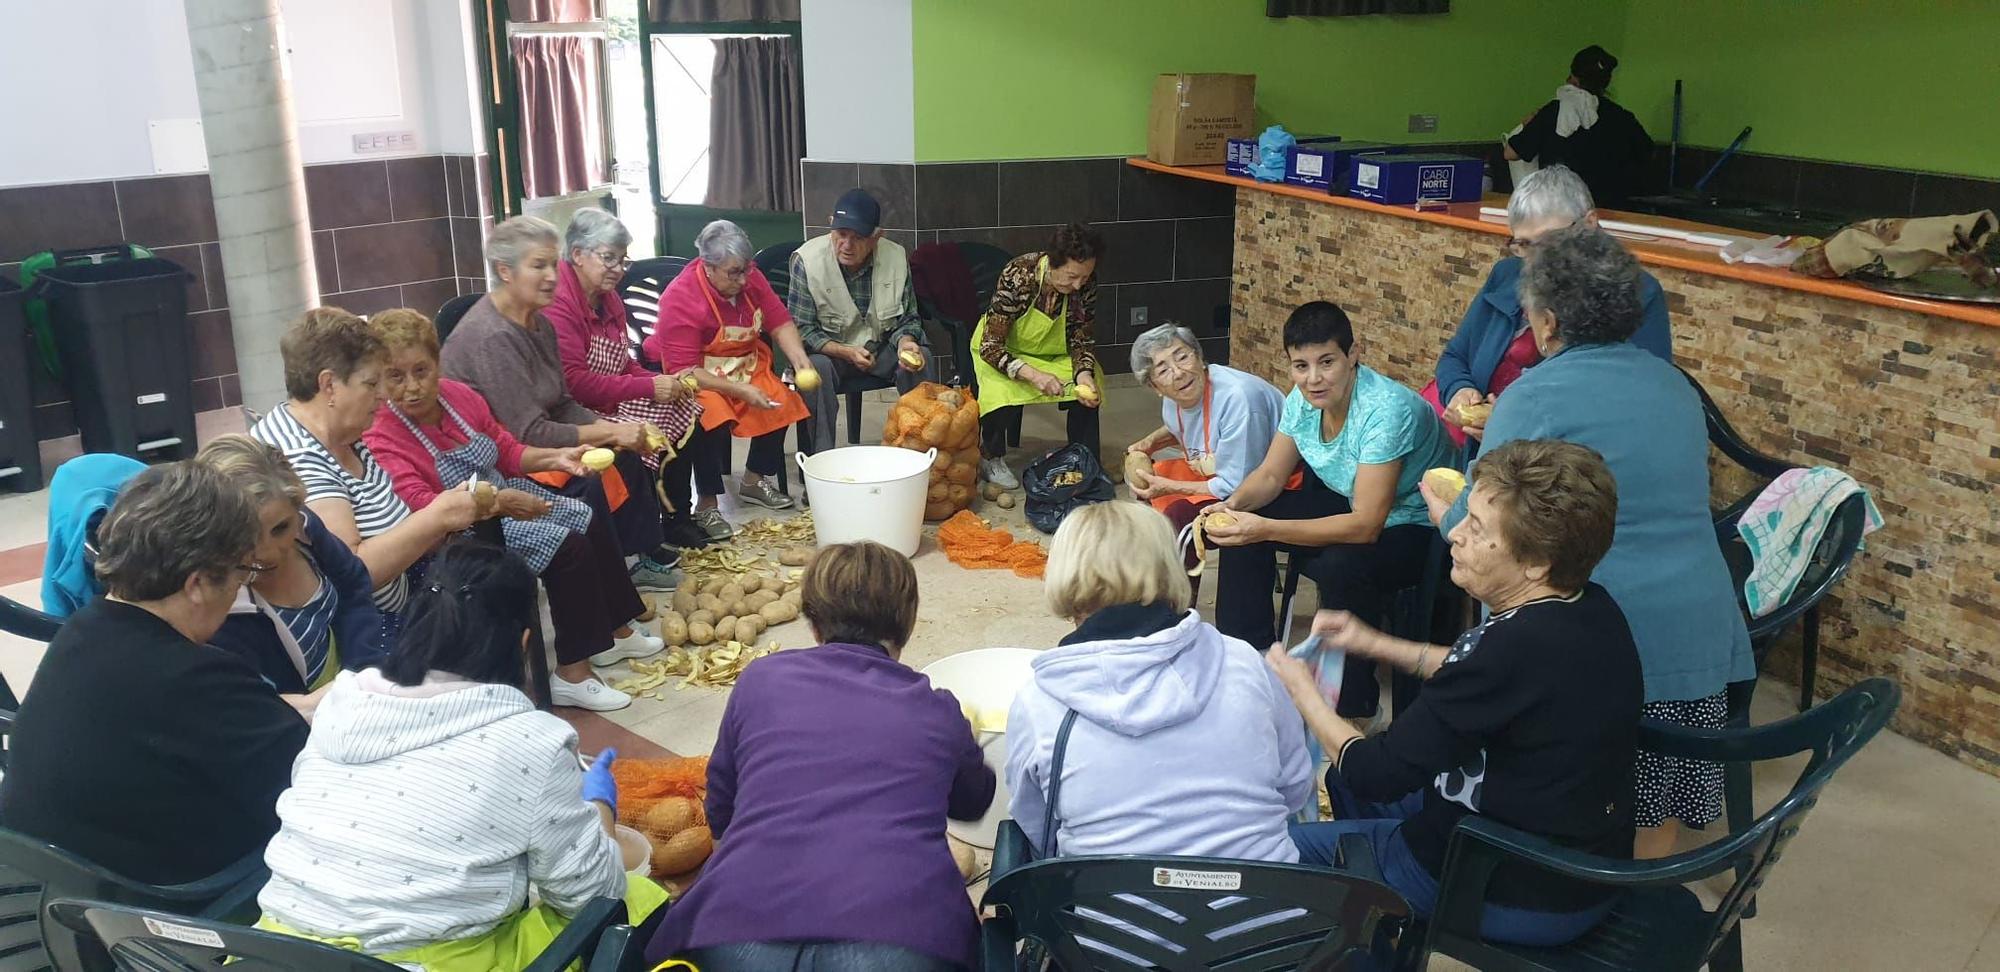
[757,124]
[551,11]
[721,11]
[562,115]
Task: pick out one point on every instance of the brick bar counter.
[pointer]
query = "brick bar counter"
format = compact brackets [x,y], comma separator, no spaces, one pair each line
[1903,394]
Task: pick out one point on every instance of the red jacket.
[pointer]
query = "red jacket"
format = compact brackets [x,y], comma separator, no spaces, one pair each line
[575,321]
[410,465]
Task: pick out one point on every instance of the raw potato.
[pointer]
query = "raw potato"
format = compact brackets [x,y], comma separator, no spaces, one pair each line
[668,817]
[674,630]
[740,607]
[1006,501]
[731,593]
[779,611]
[749,626]
[757,600]
[705,616]
[937,492]
[961,854]
[990,492]
[708,602]
[961,474]
[715,585]
[682,852]
[700,632]
[774,584]
[684,601]
[796,556]
[725,629]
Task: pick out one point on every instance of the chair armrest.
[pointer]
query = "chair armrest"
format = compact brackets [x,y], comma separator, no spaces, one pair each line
[581,936]
[241,880]
[1775,740]
[611,946]
[1010,850]
[1357,857]
[997,940]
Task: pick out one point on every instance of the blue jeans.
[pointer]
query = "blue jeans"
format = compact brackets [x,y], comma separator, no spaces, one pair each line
[1382,824]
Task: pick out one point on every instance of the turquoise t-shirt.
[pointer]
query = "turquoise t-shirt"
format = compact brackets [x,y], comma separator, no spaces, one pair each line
[1385,422]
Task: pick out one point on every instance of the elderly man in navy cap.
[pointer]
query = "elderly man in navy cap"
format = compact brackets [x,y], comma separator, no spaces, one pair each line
[856,309]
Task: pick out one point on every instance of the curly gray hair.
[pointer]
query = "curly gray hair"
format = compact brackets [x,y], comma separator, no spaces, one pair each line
[1554,194]
[1159,339]
[1588,281]
[591,228]
[171,522]
[721,241]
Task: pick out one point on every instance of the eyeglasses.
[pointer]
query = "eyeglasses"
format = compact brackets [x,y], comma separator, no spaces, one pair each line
[611,259]
[1182,362]
[736,274]
[1521,246]
[253,571]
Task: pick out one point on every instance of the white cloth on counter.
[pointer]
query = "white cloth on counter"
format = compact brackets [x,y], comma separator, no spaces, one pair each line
[1771,251]
[1575,109]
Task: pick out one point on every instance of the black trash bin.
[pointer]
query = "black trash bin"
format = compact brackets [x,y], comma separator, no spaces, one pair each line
[122,334]
[20,453]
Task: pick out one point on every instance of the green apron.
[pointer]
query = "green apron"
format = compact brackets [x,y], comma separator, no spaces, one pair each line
[1036,339]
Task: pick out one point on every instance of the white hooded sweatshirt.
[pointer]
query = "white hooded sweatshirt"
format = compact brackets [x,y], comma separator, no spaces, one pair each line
[1185,744]
[421,814]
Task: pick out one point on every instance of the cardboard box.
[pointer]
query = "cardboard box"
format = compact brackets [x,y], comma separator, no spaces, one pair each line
[1243,152]
[1195,115]
[1325,167]
[1400,180]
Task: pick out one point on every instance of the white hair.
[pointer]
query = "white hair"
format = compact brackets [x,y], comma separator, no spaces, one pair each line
[721,240]
[1553,193]
[590,228]
[1159,339]
[511,240]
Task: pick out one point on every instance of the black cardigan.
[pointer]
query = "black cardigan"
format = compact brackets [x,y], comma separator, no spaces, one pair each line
[1533,721]
[145,753]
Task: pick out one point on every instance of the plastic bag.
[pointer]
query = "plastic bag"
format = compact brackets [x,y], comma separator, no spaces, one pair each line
[1061,481]
[1273,149]
[1326,663]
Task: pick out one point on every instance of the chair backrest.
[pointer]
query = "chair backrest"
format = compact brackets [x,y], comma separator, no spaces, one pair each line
[34,872]
[451,312]
[1831,559]
[22,621]
[776,263]
[1725,437]
[985,261]
[640,292]
[141,940]
[1188,913]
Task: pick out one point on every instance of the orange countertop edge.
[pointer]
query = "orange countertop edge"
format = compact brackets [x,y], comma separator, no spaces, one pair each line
[1680,256]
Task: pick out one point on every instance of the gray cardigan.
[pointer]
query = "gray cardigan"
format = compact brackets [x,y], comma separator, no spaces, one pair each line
[520,373]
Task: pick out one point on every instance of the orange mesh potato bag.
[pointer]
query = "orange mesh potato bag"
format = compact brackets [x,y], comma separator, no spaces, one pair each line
[970,543]
[645,782]
[934,416]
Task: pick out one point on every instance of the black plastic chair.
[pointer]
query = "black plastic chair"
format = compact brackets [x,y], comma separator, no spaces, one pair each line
[141,940]
[35,873]
[1128,912]
[776,262]
[451,312]
[1659,924]
[640,292]
[622,948]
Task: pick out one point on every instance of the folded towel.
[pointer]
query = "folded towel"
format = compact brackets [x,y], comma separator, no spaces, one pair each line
[1783,526]
[1575,109]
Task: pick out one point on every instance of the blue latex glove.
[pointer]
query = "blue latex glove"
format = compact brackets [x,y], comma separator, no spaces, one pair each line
[598,785]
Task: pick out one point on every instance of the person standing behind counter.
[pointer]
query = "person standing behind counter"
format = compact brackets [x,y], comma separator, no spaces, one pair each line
[1587,131]
[855,305]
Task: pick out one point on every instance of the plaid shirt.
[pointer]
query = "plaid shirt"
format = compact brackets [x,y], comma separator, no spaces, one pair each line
[860,286]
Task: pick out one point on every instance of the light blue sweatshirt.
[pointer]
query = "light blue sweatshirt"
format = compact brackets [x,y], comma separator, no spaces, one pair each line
[1238,434]
[1185,745]
[80,493]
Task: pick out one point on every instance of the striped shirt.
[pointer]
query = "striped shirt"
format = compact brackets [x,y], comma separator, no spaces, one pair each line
[377,508]
[311,625]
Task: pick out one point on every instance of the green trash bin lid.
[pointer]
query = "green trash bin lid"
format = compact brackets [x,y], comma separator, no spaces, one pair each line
[36,310]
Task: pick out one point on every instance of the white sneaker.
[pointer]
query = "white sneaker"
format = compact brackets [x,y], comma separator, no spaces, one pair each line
[588,694]
[638,644]
[995,471]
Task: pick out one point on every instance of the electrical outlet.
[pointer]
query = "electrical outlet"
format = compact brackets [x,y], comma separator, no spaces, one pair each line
[1138,317]
[372,142]
[1423,124]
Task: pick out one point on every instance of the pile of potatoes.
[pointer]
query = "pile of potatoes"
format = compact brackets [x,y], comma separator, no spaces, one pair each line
[947,419]
[728,609]
[680,844]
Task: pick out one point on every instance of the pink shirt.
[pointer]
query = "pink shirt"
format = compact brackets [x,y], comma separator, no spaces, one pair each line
[687,322]
[575,323]
[411,467]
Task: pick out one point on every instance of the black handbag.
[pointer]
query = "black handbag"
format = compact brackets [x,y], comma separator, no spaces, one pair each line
[1061,481]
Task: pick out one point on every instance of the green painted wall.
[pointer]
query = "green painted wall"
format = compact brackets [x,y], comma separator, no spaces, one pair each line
[1912,84]
[1049,78]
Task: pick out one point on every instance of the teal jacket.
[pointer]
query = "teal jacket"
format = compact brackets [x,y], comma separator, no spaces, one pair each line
[80,493]
[1665,567]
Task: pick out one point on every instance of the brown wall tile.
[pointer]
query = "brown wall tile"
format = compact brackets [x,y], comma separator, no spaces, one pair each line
[167,210]
[392,253]
[365,302]
[468,242]
[416,187]
[64,217]
[347,194]
[189,257]
[326,264]
[428,295]
[214,347]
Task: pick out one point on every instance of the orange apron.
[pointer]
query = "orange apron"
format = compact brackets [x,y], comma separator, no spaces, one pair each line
[1203,468]
[739,353]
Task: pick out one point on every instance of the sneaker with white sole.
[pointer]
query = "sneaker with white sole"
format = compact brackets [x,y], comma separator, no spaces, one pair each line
[711,522]
[588,694]
[763,494]
[995,471]
[638,644]
[651,575]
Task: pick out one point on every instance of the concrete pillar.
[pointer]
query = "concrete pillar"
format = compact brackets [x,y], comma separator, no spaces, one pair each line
[244,82]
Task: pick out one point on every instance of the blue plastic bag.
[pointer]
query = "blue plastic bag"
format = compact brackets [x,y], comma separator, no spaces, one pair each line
[1272,148]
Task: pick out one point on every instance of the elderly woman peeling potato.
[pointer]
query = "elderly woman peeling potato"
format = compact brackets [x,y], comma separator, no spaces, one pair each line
[435,434]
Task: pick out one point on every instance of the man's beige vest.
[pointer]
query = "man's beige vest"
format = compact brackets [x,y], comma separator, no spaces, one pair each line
[828,285]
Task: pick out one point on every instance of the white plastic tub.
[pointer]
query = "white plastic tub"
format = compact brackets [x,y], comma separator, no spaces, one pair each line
[986,680]
[635,849]
[869,493]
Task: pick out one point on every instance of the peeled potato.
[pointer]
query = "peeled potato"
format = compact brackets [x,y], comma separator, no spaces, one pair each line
[1445,483]
[1087,395]
[682,852]
[700,632]
[668,817]
[806,379]
[1220,517]
[655,439]
[684,601]
[910,359]
[1475,414]
[796,556]
[599,459]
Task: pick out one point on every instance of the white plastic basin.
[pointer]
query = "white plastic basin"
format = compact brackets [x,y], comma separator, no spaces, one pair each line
[985,679]
[868,493]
